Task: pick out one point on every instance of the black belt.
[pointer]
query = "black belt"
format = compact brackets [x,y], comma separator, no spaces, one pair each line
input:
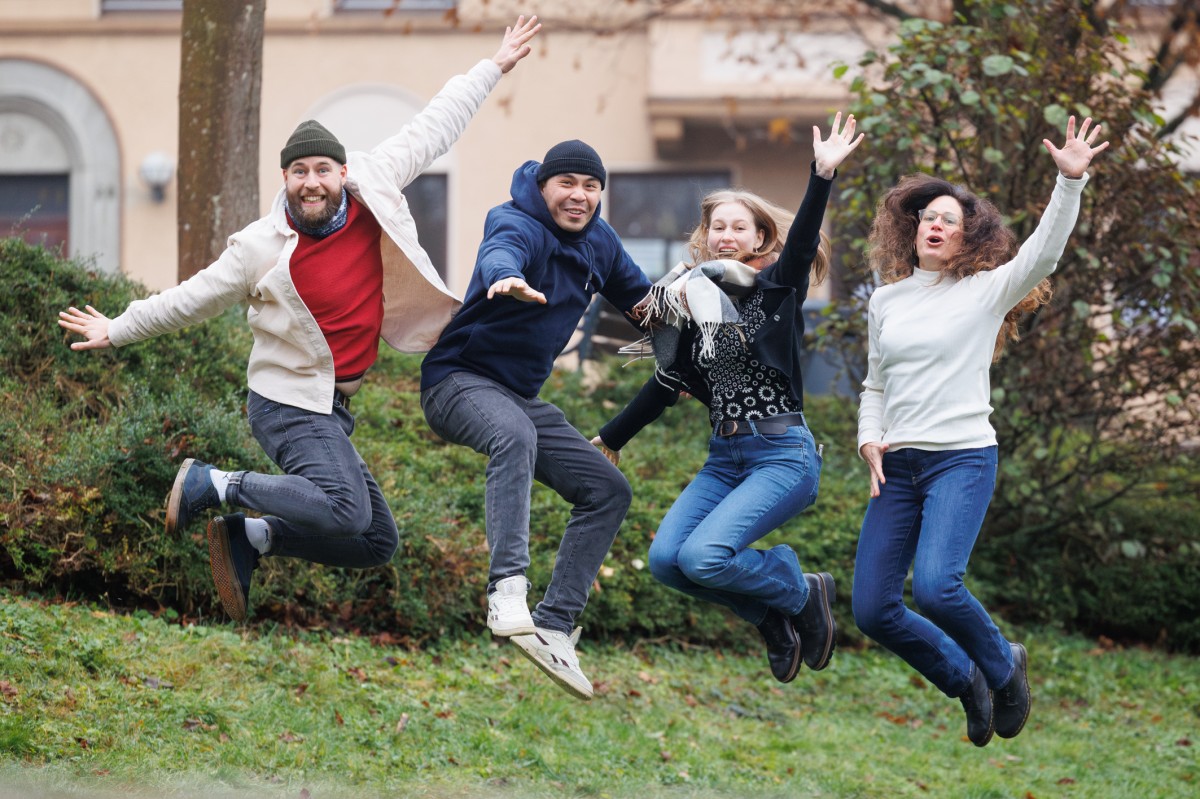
[341,399]
[772,425]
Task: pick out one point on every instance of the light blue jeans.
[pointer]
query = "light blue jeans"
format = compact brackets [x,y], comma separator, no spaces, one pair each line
[928,515]
[527,439]
[326,507]
[750,485]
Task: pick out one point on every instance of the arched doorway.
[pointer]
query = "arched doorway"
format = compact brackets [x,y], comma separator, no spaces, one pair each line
[59,164]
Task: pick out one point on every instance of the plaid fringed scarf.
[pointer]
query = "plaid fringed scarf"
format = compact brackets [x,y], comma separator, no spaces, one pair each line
[699,295]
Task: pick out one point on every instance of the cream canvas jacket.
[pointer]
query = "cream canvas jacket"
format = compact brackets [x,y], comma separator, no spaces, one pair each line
[290,361]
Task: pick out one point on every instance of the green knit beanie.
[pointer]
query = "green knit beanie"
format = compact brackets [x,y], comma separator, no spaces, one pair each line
[311,138]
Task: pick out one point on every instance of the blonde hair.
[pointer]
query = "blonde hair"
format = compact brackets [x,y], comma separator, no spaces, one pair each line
[772,220]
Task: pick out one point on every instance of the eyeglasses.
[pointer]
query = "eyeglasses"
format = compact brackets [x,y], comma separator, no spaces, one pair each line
[949,218]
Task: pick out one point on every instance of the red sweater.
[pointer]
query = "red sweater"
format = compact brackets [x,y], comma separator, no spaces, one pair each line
[340,279]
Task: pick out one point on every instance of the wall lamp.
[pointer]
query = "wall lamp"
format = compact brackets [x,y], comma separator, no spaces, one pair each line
[156,170]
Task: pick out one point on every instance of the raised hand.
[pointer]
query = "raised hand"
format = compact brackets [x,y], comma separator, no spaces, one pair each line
[516,288]
[91,324]
[515,45]
[828,153]
[1077,152]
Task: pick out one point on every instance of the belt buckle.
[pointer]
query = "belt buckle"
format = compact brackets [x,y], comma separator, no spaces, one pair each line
[727,428]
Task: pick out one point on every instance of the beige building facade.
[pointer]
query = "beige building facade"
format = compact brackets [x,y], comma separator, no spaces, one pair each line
[676,105]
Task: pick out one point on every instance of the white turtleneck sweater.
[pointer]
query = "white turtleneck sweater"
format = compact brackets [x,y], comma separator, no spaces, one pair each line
[931,338]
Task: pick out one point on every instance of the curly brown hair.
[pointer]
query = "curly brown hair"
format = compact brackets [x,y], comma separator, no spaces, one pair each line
[768,217]
[986,242]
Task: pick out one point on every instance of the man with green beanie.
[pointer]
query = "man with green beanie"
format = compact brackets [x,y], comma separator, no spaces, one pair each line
[330,269]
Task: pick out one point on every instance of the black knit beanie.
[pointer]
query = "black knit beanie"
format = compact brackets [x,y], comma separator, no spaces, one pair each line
[571,156]
[311,138]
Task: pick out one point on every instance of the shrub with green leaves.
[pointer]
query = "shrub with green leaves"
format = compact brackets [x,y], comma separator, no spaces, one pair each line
[91,442]
[92,439]
[97,437]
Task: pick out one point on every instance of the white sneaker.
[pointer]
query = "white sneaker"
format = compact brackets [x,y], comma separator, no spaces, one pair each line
[554,653]
[508,610]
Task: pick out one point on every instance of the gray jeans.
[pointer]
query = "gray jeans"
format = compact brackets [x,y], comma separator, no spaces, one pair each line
[527,439]
[326,507]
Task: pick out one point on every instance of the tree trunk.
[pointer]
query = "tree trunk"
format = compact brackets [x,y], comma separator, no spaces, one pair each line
[219,88]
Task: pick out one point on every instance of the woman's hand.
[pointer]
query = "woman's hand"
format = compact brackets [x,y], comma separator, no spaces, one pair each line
[1077,152]
[828,153]
[872,453]
[92,325]
[613,455]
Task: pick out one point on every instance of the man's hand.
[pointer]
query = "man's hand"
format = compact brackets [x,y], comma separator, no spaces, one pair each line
[515,45]
[92,325]
[518,289]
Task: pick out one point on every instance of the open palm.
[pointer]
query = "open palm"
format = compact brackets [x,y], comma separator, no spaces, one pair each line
[1077,152]
[830,152]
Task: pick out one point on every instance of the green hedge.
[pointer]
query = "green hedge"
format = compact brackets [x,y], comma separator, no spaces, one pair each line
[91,442]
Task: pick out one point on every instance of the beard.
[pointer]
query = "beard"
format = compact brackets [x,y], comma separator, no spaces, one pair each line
[314,218]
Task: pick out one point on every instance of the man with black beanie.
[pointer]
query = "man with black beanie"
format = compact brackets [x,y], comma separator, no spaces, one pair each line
[544,254]
[330,269]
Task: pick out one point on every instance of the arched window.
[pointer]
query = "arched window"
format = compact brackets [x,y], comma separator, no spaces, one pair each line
[362,116]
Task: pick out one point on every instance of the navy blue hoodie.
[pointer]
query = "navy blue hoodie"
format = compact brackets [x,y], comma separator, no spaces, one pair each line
[515,343]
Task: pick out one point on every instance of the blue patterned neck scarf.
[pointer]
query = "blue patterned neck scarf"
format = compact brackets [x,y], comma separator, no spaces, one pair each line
[336,223]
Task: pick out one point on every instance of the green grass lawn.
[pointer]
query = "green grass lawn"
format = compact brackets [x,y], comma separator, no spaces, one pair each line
[99,704]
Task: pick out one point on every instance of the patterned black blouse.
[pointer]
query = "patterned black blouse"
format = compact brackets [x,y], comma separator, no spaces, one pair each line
[742,387]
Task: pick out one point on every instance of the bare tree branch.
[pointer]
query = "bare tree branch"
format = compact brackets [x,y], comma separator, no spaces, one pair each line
[887,9]
[1172,124]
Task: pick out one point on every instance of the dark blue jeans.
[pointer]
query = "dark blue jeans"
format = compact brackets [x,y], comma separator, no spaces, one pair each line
[928,515]
[750,485]
[527,439]
[325,507]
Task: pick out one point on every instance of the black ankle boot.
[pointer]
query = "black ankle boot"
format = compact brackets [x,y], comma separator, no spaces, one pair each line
[977,701]
[783,645]
[1013,700]
[814,623]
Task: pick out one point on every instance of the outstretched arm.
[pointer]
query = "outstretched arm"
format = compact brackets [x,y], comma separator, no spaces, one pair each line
[1002,288]
[89,323]
[804,236]
[1077,151]
[647,405]
[515,44]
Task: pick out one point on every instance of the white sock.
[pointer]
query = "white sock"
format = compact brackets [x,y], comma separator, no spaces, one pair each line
[259,533]
[220,481]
